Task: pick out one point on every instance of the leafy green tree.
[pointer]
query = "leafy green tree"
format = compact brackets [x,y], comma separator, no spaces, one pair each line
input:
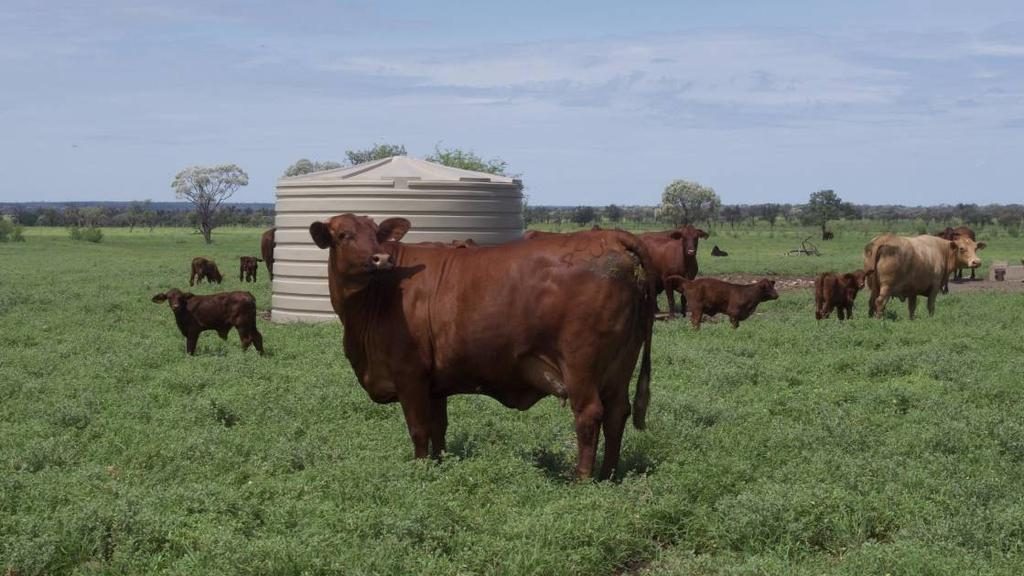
[375,152]
[613,213]
[824,205]
[771,213]
[583,215]
[207,187]
[732,215]
[468,160]
[686,202]
[306,166]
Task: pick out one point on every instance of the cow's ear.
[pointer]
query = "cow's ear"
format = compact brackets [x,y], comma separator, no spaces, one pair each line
[980,246]
[702,234]
[321,234]
[392,229]
[953,245]
[676,235]
[187,295]
[159,297]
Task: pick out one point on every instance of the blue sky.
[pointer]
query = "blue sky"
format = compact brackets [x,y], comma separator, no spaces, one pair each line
[593,102]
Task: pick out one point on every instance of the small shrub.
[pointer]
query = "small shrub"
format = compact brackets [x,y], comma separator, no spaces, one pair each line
[90,234]
[10,231]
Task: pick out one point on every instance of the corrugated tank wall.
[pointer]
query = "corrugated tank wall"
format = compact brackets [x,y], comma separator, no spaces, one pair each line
[487,212]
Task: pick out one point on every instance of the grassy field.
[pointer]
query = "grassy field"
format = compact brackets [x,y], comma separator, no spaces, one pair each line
[785,447]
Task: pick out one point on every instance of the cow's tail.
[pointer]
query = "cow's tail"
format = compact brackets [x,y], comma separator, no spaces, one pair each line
[642,396]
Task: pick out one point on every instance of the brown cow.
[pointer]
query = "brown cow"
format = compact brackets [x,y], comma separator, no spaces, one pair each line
[713,296]
[673,253]
[221,312]
[837,291]
[952,234]
[910,267]
[204,268]
[267,244]
[563,315]
[247,267]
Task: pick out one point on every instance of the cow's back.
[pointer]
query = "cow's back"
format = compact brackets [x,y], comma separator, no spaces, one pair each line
[475,315]
[908,266]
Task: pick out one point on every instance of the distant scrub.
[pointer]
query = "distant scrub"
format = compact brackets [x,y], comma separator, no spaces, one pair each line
[10,231]
[90,234]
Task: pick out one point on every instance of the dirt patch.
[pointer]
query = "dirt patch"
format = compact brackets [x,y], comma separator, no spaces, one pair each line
[781,282]
[802,282]
[979,285]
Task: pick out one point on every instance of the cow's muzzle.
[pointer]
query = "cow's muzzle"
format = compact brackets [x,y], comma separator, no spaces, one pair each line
[381,262]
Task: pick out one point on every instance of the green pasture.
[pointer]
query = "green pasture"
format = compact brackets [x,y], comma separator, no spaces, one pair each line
[787,447]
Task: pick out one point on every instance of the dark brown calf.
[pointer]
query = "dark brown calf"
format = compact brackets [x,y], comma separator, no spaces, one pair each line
[267,244]
[247,267]
[204,268]
[716,251]
[834,291]
[712,296]
[221,312]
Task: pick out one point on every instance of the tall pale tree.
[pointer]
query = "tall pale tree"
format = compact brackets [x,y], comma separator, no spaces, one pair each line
[207,187]
[686,202]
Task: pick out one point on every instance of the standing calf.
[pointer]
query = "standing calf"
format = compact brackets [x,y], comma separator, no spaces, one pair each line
[247,266]
[204,268]
[712,296]
[837,291]
[221,312]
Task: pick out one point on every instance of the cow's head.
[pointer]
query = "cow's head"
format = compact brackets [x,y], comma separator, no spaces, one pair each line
[213,273]
[176,298]
[689,236]
[355,243]
[852,282]
[965,252]
[767,288]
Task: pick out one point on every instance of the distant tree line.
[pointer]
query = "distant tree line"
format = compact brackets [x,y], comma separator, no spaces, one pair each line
[134,215]
[928,219]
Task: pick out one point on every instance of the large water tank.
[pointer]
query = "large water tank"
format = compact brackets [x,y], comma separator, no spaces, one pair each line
[442,203]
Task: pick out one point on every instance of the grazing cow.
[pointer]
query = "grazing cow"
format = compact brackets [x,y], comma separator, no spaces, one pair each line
[204,269]
[247,267]
[837,291]
[712,296]
[910,267]
[827,235]
[564,315]
[221,312]
[267,243]
[716,251]
[673,253]
[952,234]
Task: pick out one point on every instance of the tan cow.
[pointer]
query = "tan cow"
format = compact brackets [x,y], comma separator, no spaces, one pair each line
[906,268]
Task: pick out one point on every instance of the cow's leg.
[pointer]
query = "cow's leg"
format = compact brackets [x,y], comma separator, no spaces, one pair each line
[696,316]
[192,278]
[881,300]
[841,312]
[670,293]
[438,425]
[912,305]
[735,321]
[223,332]
[616,411]
[241,274]
[190,343]
[931,302]
[973,270]
[588,413]
[416,407]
